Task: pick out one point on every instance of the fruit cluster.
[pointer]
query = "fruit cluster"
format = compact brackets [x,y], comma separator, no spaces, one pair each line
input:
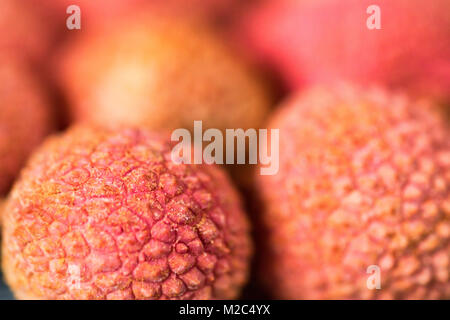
[93,205]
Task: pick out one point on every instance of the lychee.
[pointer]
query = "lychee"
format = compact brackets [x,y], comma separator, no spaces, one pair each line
[25,30]
[2,202]
[25,116]
[161,73]
[106,214]
[94,13]
[319,41]
[90,12]
[360,207]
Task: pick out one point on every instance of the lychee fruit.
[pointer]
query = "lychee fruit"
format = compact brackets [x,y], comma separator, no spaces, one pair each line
[106,214]
[160,72]
[98,12]
[312,42]
[25,116]
[25,30]
[360,207]
[2,202]
[91,12]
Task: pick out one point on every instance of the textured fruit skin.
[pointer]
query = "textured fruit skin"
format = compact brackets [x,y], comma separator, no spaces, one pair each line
[100,214]
[25,117]
[364,180]
[160,72]
[317,41]
[27,32]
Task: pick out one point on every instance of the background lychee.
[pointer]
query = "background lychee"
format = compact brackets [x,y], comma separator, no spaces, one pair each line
[161,73]
[364,180]
[25,31]
[322,41]
[25,116]
[94,13]
[100,214]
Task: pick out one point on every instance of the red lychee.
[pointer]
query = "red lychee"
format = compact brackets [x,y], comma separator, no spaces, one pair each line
[363,183]
[317,41]
[106,214]
[25,32]
[25,117]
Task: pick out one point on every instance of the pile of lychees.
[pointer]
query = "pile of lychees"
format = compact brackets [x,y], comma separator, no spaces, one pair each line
[94,206]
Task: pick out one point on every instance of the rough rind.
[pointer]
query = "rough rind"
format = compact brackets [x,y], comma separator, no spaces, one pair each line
[101,214]
[364,180]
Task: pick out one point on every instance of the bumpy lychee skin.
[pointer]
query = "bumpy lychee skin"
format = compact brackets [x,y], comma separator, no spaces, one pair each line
[100,214]
[25,117]
[160,72]
[316,41]
[364,180]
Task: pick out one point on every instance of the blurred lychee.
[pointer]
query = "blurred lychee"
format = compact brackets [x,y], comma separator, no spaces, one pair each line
[98,12]
[24,30]
[161,73]
[317,41]
[25,116]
